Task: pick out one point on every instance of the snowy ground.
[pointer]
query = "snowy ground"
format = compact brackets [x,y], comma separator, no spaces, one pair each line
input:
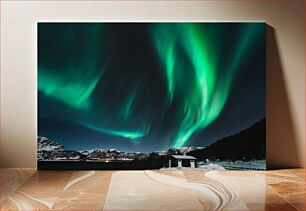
[223,165]
[200,167]
[243,165]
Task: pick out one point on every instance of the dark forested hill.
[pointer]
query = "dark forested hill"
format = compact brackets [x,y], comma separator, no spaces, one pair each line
[247,144]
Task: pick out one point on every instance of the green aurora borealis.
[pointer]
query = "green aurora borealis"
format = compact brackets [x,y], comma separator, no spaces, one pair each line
[152,82]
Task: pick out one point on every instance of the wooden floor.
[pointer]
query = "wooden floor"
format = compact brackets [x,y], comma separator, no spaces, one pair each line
[28,189]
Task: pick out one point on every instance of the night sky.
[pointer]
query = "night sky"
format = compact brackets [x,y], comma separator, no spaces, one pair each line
[149,86]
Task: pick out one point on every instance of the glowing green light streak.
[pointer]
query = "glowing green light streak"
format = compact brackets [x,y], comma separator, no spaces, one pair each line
[128,107]
[205,100]
[214,95]
[200,54]
[75,93]
[74,83]
[130,134]
[165,45]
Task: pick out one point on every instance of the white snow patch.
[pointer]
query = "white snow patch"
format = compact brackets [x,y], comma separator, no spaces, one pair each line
[202,167]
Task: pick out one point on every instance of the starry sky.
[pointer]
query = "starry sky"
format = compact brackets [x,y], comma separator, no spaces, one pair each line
[149,86]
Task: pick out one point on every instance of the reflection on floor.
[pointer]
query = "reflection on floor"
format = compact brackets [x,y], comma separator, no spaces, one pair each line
[28,189]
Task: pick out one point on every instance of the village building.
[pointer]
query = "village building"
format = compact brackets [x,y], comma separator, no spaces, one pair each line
[182,161]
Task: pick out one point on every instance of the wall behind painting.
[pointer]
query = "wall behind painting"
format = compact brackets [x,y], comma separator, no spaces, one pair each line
[285,73]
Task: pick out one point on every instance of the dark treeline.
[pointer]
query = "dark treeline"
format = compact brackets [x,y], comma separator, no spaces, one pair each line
[246,145]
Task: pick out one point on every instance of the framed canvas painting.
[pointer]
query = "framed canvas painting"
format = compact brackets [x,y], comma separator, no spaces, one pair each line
[156,95]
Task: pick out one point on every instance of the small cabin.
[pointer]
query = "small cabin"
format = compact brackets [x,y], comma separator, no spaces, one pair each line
[182,161]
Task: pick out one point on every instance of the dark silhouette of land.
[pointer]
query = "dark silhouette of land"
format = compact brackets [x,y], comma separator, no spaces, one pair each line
[247,145]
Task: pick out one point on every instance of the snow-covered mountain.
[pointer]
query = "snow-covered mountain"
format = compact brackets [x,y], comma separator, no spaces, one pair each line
[99,151]
[50,150]
[184,150]
[87,152]
[45,144]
